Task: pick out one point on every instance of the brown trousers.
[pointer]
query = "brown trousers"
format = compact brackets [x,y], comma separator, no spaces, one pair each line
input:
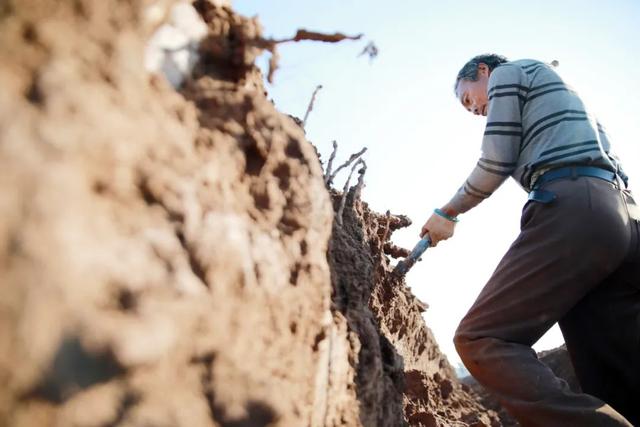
[576,262]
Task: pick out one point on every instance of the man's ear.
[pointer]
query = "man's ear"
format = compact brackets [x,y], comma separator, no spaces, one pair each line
[483,69]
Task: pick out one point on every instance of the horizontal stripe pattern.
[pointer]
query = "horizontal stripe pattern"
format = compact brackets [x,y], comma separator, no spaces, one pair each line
[504,124]
[525,93]
[513,93]
[503,129]
[556,89]
[496,163]
[493,170]
[535,121]
[503,132]
[546,123]
[547,85]
[496,167]
[512,87]
[550,125]
[550,160]
[566,147]
[533,126]
[470,189]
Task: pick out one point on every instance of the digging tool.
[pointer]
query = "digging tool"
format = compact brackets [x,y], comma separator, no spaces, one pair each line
[403,266]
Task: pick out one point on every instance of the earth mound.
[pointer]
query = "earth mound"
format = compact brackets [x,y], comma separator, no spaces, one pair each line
[172,258]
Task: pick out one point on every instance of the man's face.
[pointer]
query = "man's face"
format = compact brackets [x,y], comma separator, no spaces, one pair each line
[473,94]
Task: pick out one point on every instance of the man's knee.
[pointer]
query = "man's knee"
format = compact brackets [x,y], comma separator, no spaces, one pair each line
[463,341]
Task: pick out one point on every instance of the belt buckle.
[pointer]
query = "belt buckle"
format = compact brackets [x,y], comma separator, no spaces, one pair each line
[542,196]
[574,173]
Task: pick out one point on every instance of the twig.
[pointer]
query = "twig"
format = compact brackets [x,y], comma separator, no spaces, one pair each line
[371,50]
[345,191]
[310,107]
[273,64]
[360,183]
[395,251]
[385,233]
[327,174]
[302,34]
[345,164]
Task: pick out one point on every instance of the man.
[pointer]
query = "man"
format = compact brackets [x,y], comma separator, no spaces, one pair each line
[575,262]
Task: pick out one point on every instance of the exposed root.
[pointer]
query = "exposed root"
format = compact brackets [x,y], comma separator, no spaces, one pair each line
[360,183]
[395,251]
[385,233]
[310,107]
[329,176]
[327,173]
[345,192]
[273,64]
[301,34]
[390,224]
[351,159]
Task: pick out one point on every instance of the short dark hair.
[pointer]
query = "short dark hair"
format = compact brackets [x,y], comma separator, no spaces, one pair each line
[469,71]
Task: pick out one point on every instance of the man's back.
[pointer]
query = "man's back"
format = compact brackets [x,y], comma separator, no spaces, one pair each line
[556,127]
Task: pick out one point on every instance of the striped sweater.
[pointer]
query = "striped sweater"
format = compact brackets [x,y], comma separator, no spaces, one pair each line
[535,122]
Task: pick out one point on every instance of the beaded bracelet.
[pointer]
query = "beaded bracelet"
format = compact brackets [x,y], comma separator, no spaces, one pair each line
[444,215]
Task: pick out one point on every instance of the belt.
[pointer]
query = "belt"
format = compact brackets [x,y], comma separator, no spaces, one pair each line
[572,172]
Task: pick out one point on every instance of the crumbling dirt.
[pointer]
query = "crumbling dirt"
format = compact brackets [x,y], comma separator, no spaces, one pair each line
[168,258]
[402,378]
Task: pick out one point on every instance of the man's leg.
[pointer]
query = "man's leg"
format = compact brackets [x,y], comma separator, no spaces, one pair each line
[565,249]
[602,333]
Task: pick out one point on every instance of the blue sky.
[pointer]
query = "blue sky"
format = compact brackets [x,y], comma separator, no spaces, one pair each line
[421,143]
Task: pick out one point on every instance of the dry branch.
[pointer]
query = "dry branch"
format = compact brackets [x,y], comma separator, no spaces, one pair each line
[360,183]
[395,251]
[301,34]
[345,164]
[345,191]
[327,173]
[273,64]
[385,233]
[371,50]
[310,107]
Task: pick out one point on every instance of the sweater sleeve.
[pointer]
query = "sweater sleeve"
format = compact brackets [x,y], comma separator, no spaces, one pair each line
[501,141]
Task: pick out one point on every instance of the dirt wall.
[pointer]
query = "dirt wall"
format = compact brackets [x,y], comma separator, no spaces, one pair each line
[402,376]
[170,258]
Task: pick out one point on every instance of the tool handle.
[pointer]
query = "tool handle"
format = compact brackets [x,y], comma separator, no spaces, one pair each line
[404,265]
[419,249]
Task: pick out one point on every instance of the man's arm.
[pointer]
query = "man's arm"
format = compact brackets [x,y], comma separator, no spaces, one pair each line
[500,150]
[501,140]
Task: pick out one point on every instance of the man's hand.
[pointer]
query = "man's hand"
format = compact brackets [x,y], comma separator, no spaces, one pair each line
[438,228]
